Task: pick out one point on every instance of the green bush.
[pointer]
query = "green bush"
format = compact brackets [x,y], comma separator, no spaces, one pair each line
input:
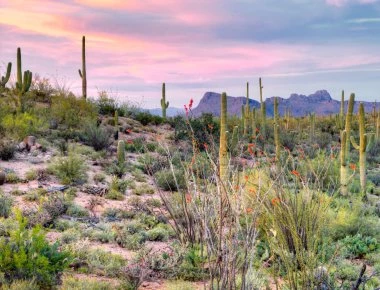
[21,125]
[27,255]
[358,246]
[6,203]
[97,137]
[158,233]
[70,169]
[146,118]
[73,283]
[168,181]
[76,210]
[7,149]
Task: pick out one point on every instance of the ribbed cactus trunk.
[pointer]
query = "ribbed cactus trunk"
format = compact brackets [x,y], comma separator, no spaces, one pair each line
[343,164]
[23,82]
[253,121]
[378,127]
[82,73]
[116,118]
[276,128]
[5,78]
[164,103]
[365,143]
[121,153]
[223,157]
[263,110]
[350,111]
[341,112]
[246,113]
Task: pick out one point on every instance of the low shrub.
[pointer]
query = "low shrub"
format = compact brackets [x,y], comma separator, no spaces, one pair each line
[6,203]
[358,246]
[97,137]
[146,118]
[170,181]
[70,169]
[7,149]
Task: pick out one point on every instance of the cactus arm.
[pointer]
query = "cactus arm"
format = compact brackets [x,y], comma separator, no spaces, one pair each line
[80,73]
[350,110]
[354,144]
[5,78]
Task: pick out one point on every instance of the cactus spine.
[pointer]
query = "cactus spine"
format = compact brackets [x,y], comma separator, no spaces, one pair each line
[23,83]
[164,104]
[343,164]
[246,113]
[341,112]
[365,143]
[223,158]
[276,130]
[82,73]
[263,109]
[5,78]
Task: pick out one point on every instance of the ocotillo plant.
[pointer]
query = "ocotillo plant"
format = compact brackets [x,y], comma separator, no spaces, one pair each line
[23,83]
[5,78]
[164,103]
[343,164]
[276,124]
[246,113]
[341,112]
[365,143]
[350,110]
[82,73]
[223,157]
[263,109]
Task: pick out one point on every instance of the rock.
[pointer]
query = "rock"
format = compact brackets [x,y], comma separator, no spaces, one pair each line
[21,147]
[30,141]
[2,177]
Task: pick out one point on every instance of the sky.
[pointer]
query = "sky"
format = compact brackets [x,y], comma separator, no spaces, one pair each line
[132,46]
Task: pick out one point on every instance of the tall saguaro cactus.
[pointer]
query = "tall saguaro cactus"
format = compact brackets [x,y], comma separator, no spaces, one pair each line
[276,124]
[164,104]
[246,113]
[341,112]
[223,157]
[365,143]
[350,110]
[343,164]
[23,82]
[5,78]
[263,109]
[253,122]
[82,73]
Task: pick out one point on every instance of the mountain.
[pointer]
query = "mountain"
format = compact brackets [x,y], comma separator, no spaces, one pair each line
[320,103]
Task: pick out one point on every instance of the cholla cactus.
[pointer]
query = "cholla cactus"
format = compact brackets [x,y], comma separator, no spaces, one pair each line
[223,157]
[365,144]
[164,103]
[5,78]
[82,73]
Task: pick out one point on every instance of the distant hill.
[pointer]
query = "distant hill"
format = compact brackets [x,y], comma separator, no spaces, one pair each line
[320,103]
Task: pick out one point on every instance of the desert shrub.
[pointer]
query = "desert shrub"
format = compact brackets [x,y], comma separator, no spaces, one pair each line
[374,153]
[71,112]
[6,203]
[146,118]
[153,202]
[76,210]
[7,149]
[99,177]
[131,235]
[74,283]
[97,137]
[152,164]
[158,233]
[170,181]
[105,104]
[143,189]
[12,177]
[31,174]
[70,169]
[358,246]
[22,124]
[115,214]
[70,236]
[288,140]
[21,285]
[136,145]
[27,255]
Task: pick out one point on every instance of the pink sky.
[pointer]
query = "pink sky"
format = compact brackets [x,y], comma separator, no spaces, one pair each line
[193,46]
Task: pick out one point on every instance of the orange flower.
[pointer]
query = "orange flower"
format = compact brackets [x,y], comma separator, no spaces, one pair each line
[237,187]
[188,197]
[353,166]
[275,201]
[296,173]
[246,178]
[249,210]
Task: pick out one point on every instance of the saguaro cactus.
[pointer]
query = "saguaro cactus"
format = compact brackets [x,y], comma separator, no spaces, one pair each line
[120,153]
[5,78]
[350,110]
[253,122]
[365,143]
[223,157]
[164,104]
[246,113]
[82,73]
[276,124]
[263,109]
[23,83]
[341,112]
[343,164]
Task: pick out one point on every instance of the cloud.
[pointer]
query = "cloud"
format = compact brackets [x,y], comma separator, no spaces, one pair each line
[341,3]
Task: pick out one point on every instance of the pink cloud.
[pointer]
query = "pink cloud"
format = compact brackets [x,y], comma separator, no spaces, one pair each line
[341,3]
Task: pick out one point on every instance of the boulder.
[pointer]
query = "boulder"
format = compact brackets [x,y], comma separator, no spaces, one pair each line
[30,141]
